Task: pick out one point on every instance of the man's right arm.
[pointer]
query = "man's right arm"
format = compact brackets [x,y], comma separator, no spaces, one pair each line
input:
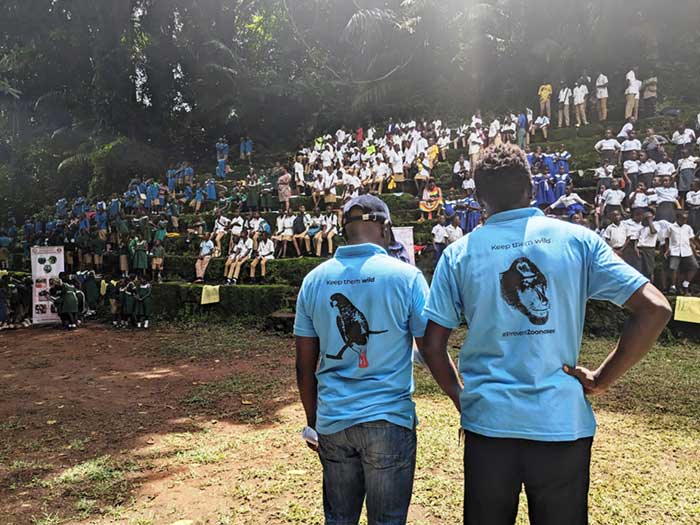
[438,360]
[307,353]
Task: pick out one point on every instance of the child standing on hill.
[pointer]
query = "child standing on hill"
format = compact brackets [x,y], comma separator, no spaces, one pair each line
[142,303]
[157,261]
[681,253]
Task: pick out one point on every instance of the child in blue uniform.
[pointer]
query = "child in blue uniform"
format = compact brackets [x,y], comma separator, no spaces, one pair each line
[562,180]
[542,189]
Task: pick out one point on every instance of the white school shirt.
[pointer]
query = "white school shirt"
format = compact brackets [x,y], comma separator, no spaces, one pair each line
[631,145]
[665,168]
[607,145]
[565,96]
[682,139]
[288,226]
[624,132]
[454,233]
[329,182]
[396,161]
[439,234]
[641,200]
[616,234]
[679,240]
[647,167]
[220,224]
[494,128]
[468,184]
[443,142]
[254,224]
[475,143]
[318,186]
[631,166]
[542,121]
[421,145]
[646,239]
[266,249]
[330,223]
[604,172]
[299,172]
[601,92]
[568,200]
[461,167]
[580,93]
[613,197]
[365,174]
[244,248]
[633,228]
[327,158]
[237,225]
[666,194]
[689,163]
[693,198]
[632,88]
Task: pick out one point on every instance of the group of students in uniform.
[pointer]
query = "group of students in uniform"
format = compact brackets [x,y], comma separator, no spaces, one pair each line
[130,301]
[647,201]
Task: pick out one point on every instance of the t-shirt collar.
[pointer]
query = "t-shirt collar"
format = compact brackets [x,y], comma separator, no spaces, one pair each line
[512,215]
[359,250]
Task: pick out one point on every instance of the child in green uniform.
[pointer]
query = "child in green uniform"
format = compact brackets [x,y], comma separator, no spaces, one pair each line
[113,295]
[142,305]
[127,295]
[157,261]
[139,262]
[92,292]
[69,305]
[98,246]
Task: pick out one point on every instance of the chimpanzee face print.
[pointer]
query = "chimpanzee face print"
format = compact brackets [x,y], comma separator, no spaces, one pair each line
[524,287]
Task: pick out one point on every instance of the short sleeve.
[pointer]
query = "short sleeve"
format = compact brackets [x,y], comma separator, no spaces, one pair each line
[609,277]
[445,304]
[419,296]
[303,324]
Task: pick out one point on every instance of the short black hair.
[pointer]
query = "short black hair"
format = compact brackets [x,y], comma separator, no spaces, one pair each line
[502,176]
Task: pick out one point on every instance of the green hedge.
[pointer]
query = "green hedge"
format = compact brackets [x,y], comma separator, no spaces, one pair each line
[178,301]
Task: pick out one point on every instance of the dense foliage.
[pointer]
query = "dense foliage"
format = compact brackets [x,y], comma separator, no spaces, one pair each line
[92,93]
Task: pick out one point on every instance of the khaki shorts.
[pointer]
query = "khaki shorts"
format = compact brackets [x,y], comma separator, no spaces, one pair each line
[329,198]
[102,234]
[124,263]
[97,259]
[87,258]
[157,263]
[114,306]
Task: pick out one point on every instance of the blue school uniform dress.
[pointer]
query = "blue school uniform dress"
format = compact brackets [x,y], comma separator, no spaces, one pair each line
[365,308]
[563,159]
[189,172]
[211,190]
[473,216]
[101,220]
[221,168]
[61,208]
[198,195]
[188,193]
[544,195]
[84,225]
[78,207]
[522,282]
[562,181]
[114,207]
[549,164]
[172,180]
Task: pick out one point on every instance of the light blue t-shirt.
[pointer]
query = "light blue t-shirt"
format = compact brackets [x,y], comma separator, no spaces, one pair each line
[522,282]
[365,307]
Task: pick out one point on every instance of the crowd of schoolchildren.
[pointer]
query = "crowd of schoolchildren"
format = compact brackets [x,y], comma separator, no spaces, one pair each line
[646,189]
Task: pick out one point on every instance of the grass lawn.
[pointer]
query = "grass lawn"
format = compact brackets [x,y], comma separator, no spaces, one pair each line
[227,450]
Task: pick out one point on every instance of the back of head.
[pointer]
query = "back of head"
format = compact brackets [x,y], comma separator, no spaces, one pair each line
[502,178]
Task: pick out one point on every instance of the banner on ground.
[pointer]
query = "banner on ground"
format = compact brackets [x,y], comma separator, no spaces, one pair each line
[404,235]
[687,309]
[47,262]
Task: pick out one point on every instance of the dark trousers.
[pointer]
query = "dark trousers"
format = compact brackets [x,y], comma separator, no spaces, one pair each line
[555,475]
[439,247]
[376,460]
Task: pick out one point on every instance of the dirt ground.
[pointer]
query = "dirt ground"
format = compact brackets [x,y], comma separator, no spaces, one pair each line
[68,398]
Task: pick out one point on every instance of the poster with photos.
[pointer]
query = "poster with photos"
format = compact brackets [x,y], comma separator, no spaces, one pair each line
[47,262]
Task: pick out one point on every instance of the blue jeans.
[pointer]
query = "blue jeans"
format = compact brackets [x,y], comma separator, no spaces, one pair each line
[376,460]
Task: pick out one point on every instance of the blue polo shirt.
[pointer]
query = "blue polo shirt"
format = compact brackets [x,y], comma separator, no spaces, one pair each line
[365,307]
[522,282]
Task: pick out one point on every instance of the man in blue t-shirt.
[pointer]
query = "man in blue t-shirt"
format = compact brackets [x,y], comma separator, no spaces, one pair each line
[522,282]
[357,315]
